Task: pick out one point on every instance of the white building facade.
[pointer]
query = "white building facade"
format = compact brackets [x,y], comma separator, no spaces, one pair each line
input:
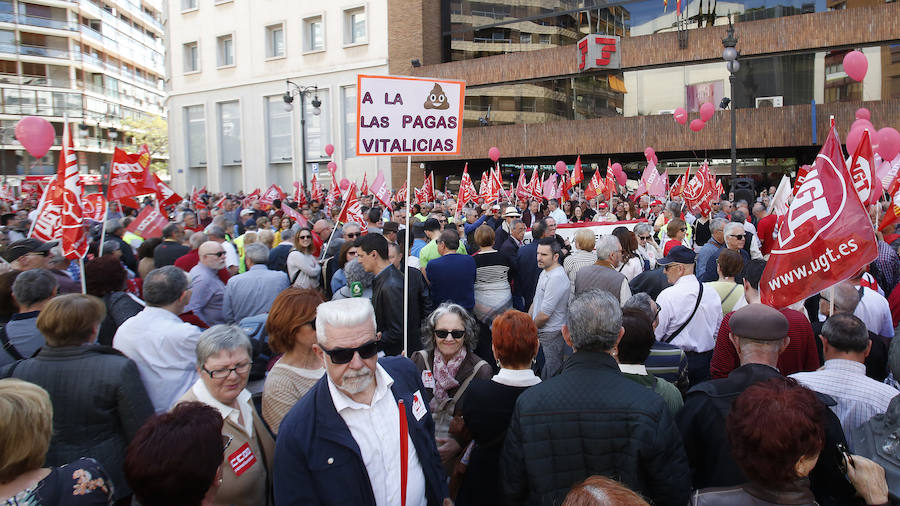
[228,63]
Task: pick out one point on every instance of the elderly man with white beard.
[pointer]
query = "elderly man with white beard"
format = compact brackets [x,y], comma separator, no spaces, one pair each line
[340,444]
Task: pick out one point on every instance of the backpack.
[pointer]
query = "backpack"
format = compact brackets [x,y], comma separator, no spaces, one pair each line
[255,327]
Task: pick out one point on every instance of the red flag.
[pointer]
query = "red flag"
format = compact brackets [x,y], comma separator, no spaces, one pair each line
[94,206]
[824,238]
[333,195]
[420,196]
[719,189]
[675,189]
[6,193]
[381,191]
[698,193]
[428,188]
[48,224]
[74,240]
[484,187]
[595,186]
[610,185]
[401,195]
[364,189]
[862,170]
[272,193]
[893,213]
[801,176]
[497,189]
[351,211]
[577,174]
[534,186]
[522,186]
[149,223]
[467,191]
[315,191]
[196,201]
[291,213]
[165,196]
[299,194]
[128,175]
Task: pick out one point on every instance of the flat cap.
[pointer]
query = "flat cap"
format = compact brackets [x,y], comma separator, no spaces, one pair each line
[760,322]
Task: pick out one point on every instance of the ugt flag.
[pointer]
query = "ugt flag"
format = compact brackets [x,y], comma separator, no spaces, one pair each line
[824,238]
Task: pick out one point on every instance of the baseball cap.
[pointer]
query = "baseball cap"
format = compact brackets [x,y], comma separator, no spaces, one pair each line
[495,207]
[245,212]
[656,203]
[678,255]
[23,247]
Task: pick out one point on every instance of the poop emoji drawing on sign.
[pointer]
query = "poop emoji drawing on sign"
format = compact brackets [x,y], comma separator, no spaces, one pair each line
[437,99]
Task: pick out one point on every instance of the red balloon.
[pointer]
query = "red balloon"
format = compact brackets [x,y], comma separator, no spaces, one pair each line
[863,123]
[697,124]
[621,178]
[681,115]
[329,149]
[650,155]
[855,136]
[344,184]
[36,135]
[561,167]
[494,153]
[888,143]
[856,65]
[332,166]
[863,113]
[706,111]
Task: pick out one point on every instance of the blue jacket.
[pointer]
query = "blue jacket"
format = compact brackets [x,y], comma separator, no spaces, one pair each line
[317,461]
[527,272]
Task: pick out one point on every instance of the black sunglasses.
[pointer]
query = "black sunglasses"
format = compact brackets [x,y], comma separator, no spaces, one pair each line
[218,254]
[738,236]
[345,355]
[305,237]
[442,334]
[351,235]
[643,237]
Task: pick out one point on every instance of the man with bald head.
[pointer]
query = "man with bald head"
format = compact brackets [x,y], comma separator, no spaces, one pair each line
[207,290]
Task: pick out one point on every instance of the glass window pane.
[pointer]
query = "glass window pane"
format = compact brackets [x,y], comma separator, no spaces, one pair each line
[279,130]
[318,132]
[230,132]
[359,26]
[316,37]
[349,93]
[195,121]
[278,42]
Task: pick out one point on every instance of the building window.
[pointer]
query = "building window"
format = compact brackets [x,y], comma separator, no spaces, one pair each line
[318,131]
[314,36]
[191,57]
[545,38]
[355,26]
[275,41]
[225,50]
[230,132]
[187,5]
[348,94]
[278,126]
[524,38]
[195,128]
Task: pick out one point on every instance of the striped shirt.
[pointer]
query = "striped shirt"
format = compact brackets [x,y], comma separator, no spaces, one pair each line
[670,363]
[858,397]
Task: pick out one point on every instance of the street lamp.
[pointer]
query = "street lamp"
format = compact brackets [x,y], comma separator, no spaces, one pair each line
[730,55]
[288,98]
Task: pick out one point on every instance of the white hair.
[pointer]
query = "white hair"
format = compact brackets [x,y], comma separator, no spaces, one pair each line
[731,226]
[342,313]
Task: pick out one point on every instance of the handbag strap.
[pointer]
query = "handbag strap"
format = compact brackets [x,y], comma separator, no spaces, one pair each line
[8,346]
[669,339]
[733,288]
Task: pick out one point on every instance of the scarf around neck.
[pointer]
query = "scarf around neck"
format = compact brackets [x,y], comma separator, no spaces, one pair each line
[445,376]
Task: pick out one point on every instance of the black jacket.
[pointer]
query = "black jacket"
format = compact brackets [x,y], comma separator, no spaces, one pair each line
[702,425]
[527,273]
[568,428]
[387,298]
[128,257]
[509,248]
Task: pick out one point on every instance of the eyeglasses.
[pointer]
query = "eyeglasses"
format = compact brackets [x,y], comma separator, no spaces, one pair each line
[351,254]
[239,369]
[352,235]
[684,230]
[226,441]
[739,237]
[345,355]
[217,254]
[443,334]
[305,237]
[644,237]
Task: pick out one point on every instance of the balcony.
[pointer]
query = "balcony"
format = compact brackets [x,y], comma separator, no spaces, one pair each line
[46,22]
[34,81]
[29,50]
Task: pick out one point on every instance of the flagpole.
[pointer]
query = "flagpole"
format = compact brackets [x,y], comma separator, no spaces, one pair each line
[405,275]
[325,246]
[81,269]
[103,229]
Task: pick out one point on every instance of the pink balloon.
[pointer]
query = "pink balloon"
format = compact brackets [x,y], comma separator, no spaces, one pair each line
[888,143]
[561,167]
[332,166]
[863,123]
[617,167]
[697,124]
[706,111]
[494,153]
[855,136]
[329,149]
[681,115]
[35,134]
[863,113]
[344,184]
[650,155]
[621,178]
[856,65]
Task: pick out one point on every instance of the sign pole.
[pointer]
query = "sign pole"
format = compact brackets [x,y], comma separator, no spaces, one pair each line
[81,271]
[103,230]
[405,275]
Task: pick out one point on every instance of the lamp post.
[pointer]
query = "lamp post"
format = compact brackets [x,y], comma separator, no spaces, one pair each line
[288,98]
[730,55]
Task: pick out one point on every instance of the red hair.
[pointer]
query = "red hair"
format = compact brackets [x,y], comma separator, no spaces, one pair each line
[515,338]
[602,491]
[771,426]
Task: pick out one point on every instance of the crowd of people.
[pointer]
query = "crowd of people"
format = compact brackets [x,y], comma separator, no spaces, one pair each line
[427,357]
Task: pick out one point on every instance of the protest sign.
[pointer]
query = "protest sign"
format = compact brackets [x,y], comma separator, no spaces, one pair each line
[408,116]
[567,231]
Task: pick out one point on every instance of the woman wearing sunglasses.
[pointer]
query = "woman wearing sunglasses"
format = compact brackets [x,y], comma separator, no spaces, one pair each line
[447,365]
[223,363]
[303,268]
